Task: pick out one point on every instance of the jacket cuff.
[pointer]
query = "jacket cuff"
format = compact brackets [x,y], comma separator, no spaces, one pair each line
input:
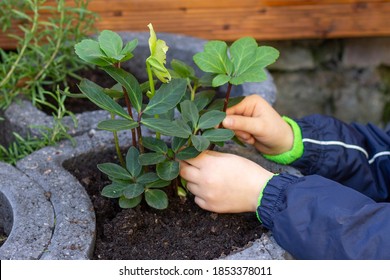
[272,198]
[297,149]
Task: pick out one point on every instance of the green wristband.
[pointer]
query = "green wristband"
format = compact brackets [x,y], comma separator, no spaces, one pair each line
[297,149]
[261,196]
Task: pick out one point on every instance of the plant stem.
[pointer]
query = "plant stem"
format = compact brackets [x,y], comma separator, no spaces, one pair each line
[227,96]
[129,110]
[117,147]
[152,90]
[25,44]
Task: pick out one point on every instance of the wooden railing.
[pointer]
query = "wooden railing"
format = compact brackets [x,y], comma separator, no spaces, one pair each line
[231,19]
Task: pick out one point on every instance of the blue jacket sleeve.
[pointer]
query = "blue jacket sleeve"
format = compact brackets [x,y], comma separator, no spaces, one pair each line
[315,218]
[342,212]
[354,155]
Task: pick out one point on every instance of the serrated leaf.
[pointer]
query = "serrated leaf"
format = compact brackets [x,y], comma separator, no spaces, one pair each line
[168,170]
[133,190]
[129,203]
[187,153]
[114,170]
[117,125]
[151,158]
[200,143]
[89,51]
[157,199]
[129,82]
[114,190]
[153,144]
[218,135]
[189,112]
[165,127]
[166,97]
[249,60]
[96,94]
[214,58]
[132,161]
[110,43]
[211,119]
[220,80]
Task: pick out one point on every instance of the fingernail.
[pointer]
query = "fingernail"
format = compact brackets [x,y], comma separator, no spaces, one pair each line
[227,121]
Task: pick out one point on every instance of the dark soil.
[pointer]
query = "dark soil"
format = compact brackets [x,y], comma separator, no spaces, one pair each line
[183,231]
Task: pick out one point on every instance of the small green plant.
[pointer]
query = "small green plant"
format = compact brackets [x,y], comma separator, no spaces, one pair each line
[176,105]
[44,57]
[43,60]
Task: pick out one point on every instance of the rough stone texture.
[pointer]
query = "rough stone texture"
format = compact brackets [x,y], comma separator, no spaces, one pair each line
[349,79]
[363,53]
[26,215]
[264,248]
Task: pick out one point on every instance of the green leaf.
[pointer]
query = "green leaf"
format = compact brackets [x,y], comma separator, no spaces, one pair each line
[157,199]
[156,145]
[96,94]
[177,143]
[166,127]
[127,50]
[203,98]
[129,203]
[189,112]
[132,161]
[158,184]
[187,153]
[114,190]
[168,170]
[114,170]
[218,103]
[129,82]
[182,69]
[243,52]
[151,158]
[89,51]
[214,59]
[117,125]
[157,58]
[211,119]
[166,97]
[218,135]
[249,60]
[220,80]
[148,178]
[111,44]
[133,190]
[200,143]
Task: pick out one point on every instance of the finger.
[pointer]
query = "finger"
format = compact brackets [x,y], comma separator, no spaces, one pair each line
[201,158]
[188,172]
[241,123]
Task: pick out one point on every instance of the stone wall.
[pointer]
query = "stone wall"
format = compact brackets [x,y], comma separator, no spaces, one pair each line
[345,78]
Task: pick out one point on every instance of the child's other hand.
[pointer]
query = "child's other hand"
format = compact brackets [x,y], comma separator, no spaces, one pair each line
[224,183]
[255,122]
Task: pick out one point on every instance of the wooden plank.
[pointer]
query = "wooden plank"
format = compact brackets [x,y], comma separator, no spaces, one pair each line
[230,19]
[314,2]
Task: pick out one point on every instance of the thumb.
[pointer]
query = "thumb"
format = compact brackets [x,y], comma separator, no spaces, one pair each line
[242,123]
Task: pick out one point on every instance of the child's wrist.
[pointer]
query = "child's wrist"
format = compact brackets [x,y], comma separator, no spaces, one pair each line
[297,148]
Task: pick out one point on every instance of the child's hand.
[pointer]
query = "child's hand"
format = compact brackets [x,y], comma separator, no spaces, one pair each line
[255,122]
[224,183]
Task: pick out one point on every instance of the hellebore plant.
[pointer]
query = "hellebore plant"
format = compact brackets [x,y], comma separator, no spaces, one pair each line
[173,103]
